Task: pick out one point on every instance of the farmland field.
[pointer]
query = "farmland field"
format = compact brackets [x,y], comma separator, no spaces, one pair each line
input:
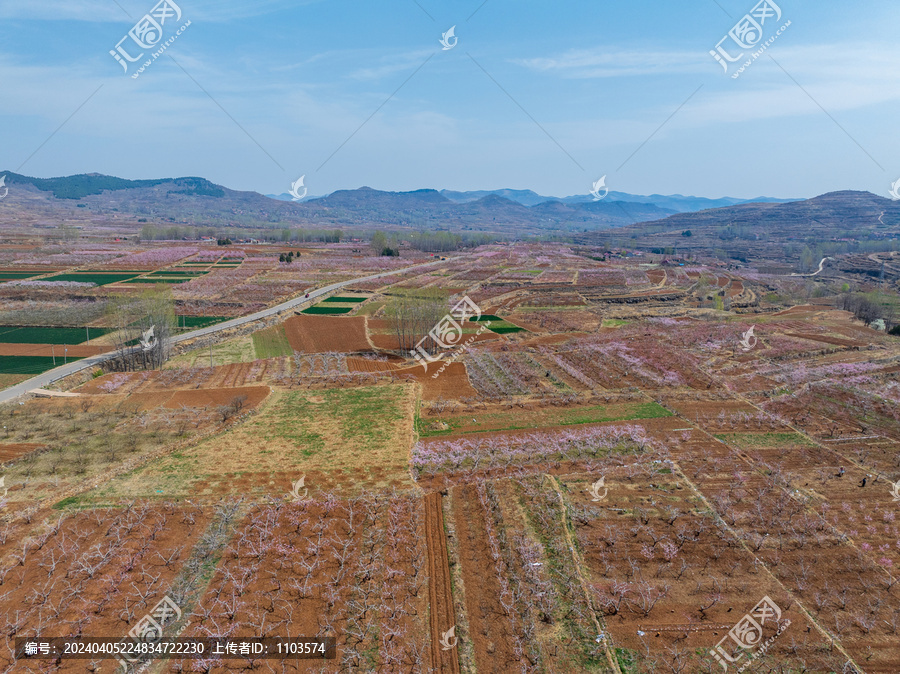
[272,342]
[160,279]
[91,277]
[199,321]
[318,309]
[345,300]
[48,335]
[30,364]
[9,276]
[595,483]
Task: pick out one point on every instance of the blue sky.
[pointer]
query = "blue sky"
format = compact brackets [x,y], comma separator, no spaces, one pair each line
[535,95]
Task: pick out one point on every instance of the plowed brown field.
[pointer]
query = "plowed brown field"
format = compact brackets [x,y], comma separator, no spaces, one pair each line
[9,452]
[383,338]
[452,383]
[366,365]
[440,593]
[491,636]
[48,350]
[218,396]
[323,334]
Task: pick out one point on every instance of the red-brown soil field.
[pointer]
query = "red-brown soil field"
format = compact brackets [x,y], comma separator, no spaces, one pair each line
[324,334]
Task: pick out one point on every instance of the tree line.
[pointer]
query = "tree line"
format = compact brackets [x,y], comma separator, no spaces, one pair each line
[413,312]
[869,307]
[429,242]
[143,328]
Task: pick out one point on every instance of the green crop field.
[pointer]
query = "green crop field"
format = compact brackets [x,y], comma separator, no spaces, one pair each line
[164,279]
[486,317]
[29,364]
[319,309]
[178,272]
[272,343]
[89,277]
[346,300]
[502,327]
[48,335]
[496,422]
[17,275]
[193,322]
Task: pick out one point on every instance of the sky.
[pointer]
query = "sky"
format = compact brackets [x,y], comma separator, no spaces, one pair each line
[532,95]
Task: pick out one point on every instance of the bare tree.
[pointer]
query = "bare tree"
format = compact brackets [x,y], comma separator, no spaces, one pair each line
[144,325]
[413,313]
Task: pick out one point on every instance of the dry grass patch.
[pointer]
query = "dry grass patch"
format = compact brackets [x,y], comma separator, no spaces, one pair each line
[236,350]
[340,439]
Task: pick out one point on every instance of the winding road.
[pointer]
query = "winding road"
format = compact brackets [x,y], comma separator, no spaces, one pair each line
[821,267]
[50,376]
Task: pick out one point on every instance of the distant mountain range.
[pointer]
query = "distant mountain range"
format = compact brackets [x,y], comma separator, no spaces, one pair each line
[672,202]
[653,221]
[846,221]
[676,203]
[192,201]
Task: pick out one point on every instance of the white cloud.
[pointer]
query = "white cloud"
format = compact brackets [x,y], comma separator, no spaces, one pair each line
[391,65]
[616,62]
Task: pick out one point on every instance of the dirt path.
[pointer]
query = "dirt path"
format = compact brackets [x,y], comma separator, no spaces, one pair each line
[819,271]
[441,616]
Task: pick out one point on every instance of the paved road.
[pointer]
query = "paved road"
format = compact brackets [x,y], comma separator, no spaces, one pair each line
[58,373]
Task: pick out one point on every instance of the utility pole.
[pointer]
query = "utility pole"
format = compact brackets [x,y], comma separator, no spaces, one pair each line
[53,353]
[87,332]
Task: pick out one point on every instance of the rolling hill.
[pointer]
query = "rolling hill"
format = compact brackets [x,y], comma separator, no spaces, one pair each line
[98,200]
[836,222]
[673,202]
